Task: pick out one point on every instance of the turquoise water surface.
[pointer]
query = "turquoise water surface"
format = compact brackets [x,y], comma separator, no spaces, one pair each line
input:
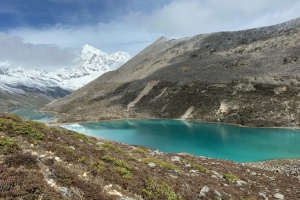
[201,139]
[29,113]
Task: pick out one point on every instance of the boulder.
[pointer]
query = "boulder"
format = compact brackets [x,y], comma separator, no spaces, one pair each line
[203,191]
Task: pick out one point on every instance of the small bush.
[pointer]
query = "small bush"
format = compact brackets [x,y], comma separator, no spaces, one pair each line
[140,150]
[8,145]
[123,171]
[199,167]
[18,184]
[82,159]
[80,136]
[14,117]
[196,166]
[153,190]
[38,125]
[91,190]
[117,162]
[99,165]
[160,163]
[231,178]
[62,175]
[110,147]
[21,159]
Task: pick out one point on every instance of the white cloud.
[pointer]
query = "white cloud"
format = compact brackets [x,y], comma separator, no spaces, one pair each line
[109,38]
[139,28]
[27,55]
[190,17]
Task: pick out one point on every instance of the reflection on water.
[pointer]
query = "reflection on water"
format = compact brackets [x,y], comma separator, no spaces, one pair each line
[205,139]
[29,113]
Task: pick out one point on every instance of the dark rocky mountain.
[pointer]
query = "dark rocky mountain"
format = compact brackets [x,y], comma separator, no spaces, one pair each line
[249,77]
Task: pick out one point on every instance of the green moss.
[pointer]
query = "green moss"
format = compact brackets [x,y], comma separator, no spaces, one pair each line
[66,148]
[14,117]
[196,166]
[38,125]
[159,163]
[82,159]
[159,191]
[117,162]
[140,150]
[123,171]
[199,167]
[110,147]
[25,129]
[80,136]
[99,165]
[20,128]
[8,145]
[231,178]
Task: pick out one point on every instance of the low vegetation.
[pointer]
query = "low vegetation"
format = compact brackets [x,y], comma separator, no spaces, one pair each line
[160,163]
[38,162]
[231,178]
[154,190]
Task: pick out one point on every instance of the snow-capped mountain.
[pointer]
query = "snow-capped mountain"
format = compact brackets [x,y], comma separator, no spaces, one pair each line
[91,63]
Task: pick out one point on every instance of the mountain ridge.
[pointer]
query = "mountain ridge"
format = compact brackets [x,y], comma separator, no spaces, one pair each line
[248,77]
[51,85]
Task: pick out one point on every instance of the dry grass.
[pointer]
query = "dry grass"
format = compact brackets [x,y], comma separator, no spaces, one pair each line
[67,165]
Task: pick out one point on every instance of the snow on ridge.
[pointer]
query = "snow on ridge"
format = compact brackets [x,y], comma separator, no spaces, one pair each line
[92,64]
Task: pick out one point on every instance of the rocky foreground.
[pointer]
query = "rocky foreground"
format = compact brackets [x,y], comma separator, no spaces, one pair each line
[38,162]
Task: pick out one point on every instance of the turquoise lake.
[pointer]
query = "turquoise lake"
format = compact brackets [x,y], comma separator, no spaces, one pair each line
[202,139]
[29,113]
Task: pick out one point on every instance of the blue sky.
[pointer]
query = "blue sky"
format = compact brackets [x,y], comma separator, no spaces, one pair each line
[49,33]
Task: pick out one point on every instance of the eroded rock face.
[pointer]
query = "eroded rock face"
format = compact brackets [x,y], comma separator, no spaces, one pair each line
[246,77]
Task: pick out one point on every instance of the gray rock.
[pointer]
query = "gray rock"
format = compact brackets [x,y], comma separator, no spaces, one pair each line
[152,165]
[100,143]
[240,183]
[66,191]
[263,195]
[278,196]
[216,174]
[126,199]
[175,158]
[71,147]
[203,191]
[217,194]
[253,173]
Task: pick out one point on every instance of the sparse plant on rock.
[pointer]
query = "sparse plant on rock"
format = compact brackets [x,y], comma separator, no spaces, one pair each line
[159,163]
[231,178]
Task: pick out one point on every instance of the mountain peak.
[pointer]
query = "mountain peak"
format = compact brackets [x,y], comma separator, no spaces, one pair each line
[87,49]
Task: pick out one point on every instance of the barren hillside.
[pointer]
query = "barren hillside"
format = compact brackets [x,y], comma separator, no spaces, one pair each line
[248,77]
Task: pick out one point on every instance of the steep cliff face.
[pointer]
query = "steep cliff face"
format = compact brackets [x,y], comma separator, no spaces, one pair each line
[248,77]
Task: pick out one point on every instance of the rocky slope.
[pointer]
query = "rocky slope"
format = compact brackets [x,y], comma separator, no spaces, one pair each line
[24,86]
[249,77]
[38,162]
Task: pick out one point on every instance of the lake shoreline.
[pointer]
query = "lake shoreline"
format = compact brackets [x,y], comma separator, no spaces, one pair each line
[54,122]
[271,165]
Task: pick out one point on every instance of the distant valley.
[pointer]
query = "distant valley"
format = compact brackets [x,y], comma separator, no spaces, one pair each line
[23,87]
[249,77]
